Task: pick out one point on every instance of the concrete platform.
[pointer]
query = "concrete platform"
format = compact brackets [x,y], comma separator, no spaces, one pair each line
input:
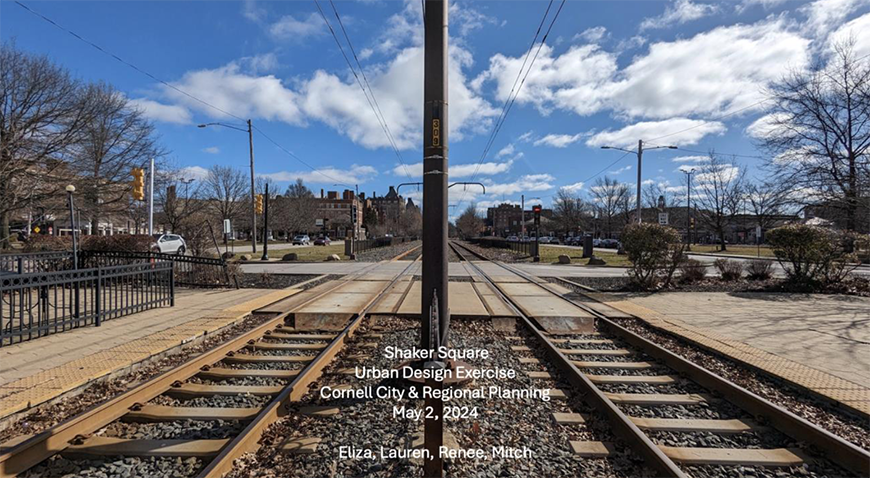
[817,342]
[40,370]
[467,300]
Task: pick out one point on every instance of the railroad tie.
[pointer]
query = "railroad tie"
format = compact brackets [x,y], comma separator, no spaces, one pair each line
[623,365]
[199,390]
[608,352]
[110,446]
[657,398]
[161,413]
[652,379]
[696,425]
[247,358]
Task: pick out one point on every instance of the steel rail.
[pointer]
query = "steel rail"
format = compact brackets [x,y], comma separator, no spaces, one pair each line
[55,439]
[654,456]
[248,439]
[847,454]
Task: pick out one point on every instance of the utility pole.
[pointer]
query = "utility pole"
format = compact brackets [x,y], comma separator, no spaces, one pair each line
[253,192]
[639,162]
[689,208]
[435,308]
[151,200]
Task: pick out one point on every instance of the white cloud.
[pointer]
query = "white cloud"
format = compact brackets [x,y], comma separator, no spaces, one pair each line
[193,172]
[620,170]
[742,6]
[857,30]
[242,94]
[465,19]
[506,151]
[356,174]
[160,112]
[591,35]
[690,159]
[715,72]
[824,15]
[252,12]
[765,125]
[712,73]
[260,63]
[211,150]
[574,187]
[529,182]
[628,136]
[679,12]
[560,140]
[457,171]
[724,172]
[398,89]
[575,80]
[365,53]
[295,29]
[526,137]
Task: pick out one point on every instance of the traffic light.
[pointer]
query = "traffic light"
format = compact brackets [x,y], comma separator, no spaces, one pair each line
[692,222]
[537,211]
[138,184]
[353,213]
[259,204]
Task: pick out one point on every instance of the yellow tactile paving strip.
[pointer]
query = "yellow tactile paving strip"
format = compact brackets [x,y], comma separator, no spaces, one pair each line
[46,385]
[849,394]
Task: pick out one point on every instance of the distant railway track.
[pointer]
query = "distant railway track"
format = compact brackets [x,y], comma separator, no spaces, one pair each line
[620,374]
[267,368]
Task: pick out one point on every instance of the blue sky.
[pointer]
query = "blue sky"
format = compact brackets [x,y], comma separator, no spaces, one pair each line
[610,73]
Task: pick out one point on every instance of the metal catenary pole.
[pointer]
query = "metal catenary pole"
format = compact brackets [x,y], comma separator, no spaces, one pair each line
[253,192]
[435,149]
[689,208]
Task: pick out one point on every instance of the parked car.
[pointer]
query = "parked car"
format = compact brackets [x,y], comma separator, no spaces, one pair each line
[596,242]
[322,241]
[302,240]
[169,244]
[513,239]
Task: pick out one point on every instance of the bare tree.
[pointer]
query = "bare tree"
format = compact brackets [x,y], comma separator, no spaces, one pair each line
[570,212]
[178,198]
[612,200]
[298,190]
[115,140]
[819,131]
[226,190]
[469,223]
[722,193]
[768,199]
[41,115]
[656,194]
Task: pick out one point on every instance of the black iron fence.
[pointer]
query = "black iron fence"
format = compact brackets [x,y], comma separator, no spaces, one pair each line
[369,244]
[528,248]
[38,304]
[29,263]
[191,271]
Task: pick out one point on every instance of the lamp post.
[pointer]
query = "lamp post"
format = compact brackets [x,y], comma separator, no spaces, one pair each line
[253,192]
[689,208]
[639,153]
[72,225]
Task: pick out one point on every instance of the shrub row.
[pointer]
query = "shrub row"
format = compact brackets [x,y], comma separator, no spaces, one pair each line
[118,242]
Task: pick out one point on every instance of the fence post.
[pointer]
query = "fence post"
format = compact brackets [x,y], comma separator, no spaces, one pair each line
[21,265]
[172,284]
[98,309]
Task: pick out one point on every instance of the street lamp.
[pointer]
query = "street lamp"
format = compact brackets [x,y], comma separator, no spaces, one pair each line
[639,154]
[253,192]
[72,225]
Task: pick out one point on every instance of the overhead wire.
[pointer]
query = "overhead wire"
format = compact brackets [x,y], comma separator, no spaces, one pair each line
[360,79]
[171,86]
[515,89]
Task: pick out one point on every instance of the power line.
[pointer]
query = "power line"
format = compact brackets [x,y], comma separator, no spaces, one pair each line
[372,101]
[168,85]
[720,153]
[512,95]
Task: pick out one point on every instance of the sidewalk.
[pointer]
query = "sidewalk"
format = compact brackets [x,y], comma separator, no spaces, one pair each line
[39,370]
[817,342]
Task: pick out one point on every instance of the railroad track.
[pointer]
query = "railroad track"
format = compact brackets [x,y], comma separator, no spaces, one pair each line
[239,387]
[652,397]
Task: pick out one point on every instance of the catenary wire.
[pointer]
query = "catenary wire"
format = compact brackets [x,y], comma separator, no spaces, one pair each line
[171,86]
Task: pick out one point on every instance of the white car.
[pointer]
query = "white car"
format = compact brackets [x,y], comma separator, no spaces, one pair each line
[169,244]
[302,240]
